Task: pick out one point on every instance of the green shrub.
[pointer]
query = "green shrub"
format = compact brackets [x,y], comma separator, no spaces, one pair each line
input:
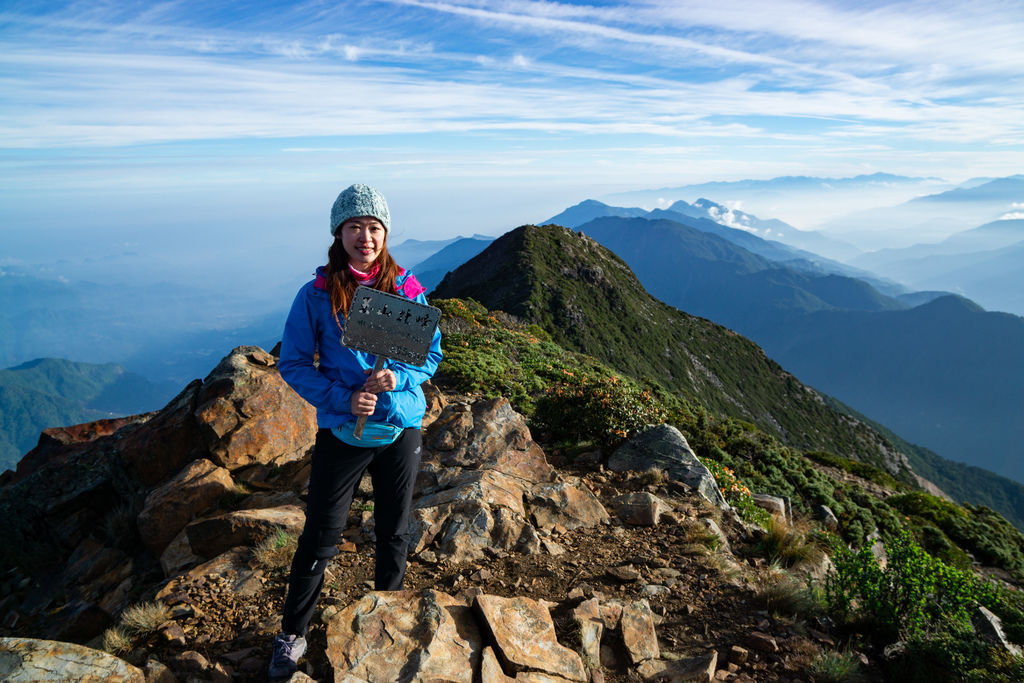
[597,409]
[910,594]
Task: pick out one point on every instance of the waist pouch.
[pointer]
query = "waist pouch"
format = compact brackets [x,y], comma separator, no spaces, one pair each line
[375,434]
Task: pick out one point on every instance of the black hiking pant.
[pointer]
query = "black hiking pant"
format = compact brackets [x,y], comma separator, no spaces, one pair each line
[336,470]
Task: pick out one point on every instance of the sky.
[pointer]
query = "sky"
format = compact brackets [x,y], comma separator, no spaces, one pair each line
[220,128]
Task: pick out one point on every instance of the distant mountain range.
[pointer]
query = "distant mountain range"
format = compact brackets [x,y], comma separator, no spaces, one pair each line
[432,270]
[799,200]
[983,264]
[932,217]
[51,392]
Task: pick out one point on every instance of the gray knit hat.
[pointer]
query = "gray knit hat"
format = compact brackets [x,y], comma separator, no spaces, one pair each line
[360,200]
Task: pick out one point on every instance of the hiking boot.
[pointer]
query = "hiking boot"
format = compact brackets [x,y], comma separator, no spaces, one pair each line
[285,658]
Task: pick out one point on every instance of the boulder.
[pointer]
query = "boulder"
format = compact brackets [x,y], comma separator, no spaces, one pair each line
[637,627]
[524,638]
[404,635]
[587,617]
[701,669]
[488,435]
[773,504]
[568,503]
[213,535]
[990,627]
[664,447]
[640,509]
[168,508]
[26,660]
[824,514]
[248,415]
[471,493]
[166,442]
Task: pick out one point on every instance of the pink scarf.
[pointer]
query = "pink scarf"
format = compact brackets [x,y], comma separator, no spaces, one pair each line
[368,278]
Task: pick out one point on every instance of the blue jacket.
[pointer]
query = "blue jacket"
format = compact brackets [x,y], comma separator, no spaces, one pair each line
[311,327]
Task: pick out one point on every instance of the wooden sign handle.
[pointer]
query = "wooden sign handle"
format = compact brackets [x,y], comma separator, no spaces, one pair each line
[377,367]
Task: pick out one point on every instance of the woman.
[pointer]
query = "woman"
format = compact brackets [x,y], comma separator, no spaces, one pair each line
[341,384]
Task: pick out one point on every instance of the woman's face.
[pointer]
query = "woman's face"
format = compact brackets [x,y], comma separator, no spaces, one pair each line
[363,239]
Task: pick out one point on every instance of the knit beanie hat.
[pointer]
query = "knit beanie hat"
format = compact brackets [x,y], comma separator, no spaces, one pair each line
[360,200]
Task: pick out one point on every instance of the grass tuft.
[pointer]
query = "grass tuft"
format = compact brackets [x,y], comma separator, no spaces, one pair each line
[275,551]
[144,618]
[117,641]
[836,667]
[790,543]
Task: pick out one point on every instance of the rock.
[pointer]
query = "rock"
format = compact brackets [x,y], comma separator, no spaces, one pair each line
[213,535]
[488,436]
[762,642]
[738,655]
[178,555]
[773,504]
[524,638]
[700,668]
[404,635]
[25,660]
[723,540]
[552,548]
[193,491]
[587,617]
[665,448]
[637,627]
[157,672]
[824,514]
[435,403]
[640,509]
[990,627]
[166,442]
[190,661]
[471,493]
[231,566]
[625,574]
[77,620]
[568,504]
[655,591]
[249,415]
[490,668]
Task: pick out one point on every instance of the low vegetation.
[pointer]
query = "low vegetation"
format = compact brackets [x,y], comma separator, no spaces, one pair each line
[276,550]
[135,624]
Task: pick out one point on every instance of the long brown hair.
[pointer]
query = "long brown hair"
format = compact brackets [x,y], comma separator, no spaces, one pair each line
[340,282]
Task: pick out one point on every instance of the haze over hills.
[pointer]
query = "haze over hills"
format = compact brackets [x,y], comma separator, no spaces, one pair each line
[983,264]
[932,217]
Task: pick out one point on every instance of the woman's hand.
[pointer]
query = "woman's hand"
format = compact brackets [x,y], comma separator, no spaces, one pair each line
[363,403]
[379,382]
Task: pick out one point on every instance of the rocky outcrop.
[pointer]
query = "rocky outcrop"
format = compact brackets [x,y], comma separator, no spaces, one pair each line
[91,492]
[404,635]
[249,416]
[484,480]
[665,448]
[524,638]
[429,635]
[26,660]
[192,492]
